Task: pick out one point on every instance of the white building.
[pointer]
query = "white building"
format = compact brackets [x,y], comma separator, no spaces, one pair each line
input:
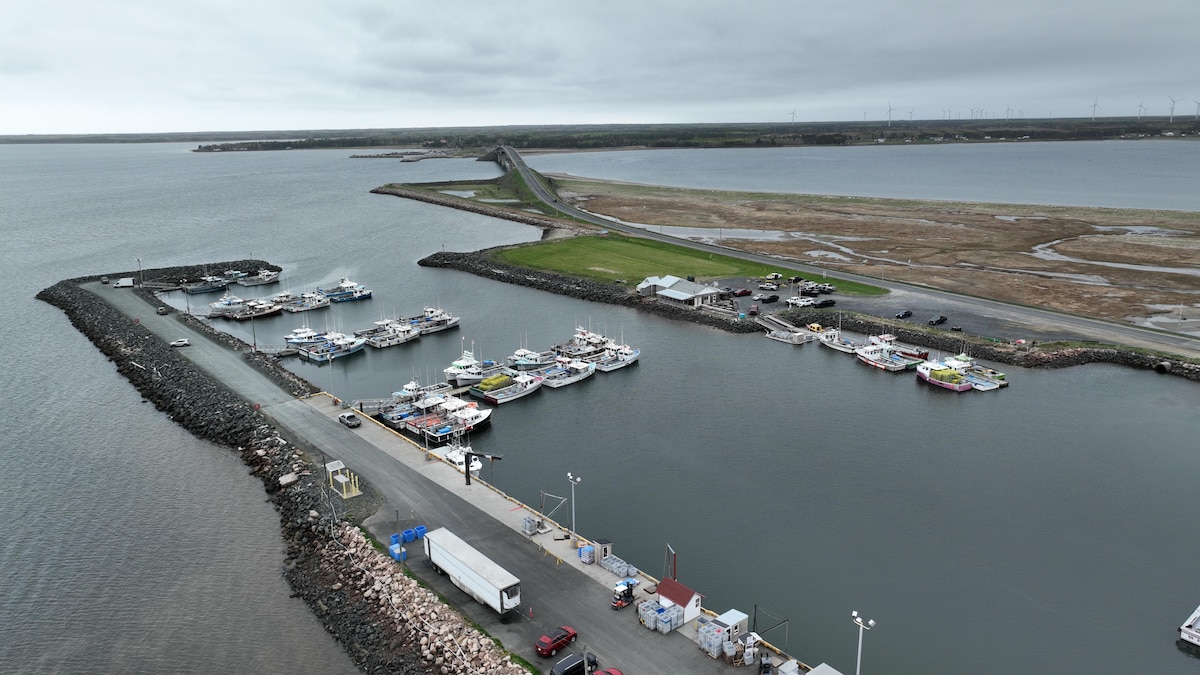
[676,291]
[671,592]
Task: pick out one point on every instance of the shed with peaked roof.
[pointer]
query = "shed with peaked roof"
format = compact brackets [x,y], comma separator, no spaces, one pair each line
[671,592]
[678,291]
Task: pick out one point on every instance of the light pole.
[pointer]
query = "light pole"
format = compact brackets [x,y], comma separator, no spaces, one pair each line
[141,281]
[863,625]
[574,480]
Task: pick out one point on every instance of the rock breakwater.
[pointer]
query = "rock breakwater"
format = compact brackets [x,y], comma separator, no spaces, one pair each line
[384,620]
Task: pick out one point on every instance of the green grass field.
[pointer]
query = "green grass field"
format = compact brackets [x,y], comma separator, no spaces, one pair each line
[615,257]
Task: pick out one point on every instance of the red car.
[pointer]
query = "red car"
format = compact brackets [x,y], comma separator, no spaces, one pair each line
[609,671]
[739,292]
[550,643]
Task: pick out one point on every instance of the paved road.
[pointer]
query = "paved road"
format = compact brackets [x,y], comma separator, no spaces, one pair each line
[978,316]
[556,587]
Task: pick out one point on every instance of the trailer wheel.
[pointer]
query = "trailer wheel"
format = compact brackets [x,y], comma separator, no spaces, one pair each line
[438,570]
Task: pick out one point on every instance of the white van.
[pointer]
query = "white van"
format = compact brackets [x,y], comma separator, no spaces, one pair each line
[123,282]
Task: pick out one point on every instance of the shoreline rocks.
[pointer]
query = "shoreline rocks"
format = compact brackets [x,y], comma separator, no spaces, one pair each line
[384,620]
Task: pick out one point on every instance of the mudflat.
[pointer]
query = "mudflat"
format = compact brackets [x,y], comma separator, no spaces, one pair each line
[1133,266]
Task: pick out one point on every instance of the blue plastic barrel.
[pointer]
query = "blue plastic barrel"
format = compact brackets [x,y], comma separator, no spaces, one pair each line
[409,535]
[420,529]
[395,539]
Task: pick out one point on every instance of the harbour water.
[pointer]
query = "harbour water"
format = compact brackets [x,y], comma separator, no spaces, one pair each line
[1036,528]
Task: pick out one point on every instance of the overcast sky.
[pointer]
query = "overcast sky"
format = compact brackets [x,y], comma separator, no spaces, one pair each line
[68,66]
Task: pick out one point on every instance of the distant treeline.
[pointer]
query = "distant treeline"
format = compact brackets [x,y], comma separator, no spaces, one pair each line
[594,136]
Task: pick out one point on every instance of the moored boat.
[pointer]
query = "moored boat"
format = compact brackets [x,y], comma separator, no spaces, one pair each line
[228,304]
[304,336]
[307,302]
[1189,631]
[883,357]
[206,284]
[832,338]
[259,278]
[583,345]
[456,455]
[615,357]
[255,309]
[978,376]
[393,334]
[354,295]
[414,390]
[507,386]
[336,346]
[566,371]
[941,375]
[343,288]
[905,350]
[790,337]
[432,320]
[527,359]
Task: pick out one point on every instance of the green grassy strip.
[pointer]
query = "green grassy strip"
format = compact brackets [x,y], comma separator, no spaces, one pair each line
[615,257]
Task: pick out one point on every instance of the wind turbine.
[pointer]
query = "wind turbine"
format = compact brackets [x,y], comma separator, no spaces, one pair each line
[889,113]
[910,114]
[793,115]
[1197,108]
[1095,107]
[1173,102]
[1141,109]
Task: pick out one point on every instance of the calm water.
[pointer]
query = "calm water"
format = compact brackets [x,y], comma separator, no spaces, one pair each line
[1036,528]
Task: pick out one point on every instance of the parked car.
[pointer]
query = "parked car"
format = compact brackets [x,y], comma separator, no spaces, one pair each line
[758,296]
[576,664]
[181,342]
[903,314]
[550,643]
[753,310]
[349,419]
[797,301]
[768,286]
[161,310]
[937,320]
[609,671]
[739,292]
[771,298]
[825,302]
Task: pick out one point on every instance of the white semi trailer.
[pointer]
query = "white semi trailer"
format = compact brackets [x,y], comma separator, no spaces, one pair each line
[472,571]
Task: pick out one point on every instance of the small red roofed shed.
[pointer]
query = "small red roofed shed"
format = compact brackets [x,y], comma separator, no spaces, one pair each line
[671,592]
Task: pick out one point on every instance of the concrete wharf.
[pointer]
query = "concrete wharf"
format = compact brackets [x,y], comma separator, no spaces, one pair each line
[557,587]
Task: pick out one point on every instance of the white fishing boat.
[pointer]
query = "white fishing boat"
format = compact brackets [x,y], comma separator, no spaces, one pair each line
[354,295]
[228,304]
[304,336]
[467,370]
[942,375]
[978,376]
[259,278]
[566,371]
[833,339]
[582,345]
[343,288]
[456,455]
[432,320]
[883,357]
[906,350]
[394,334]
[307,302]
[507,386]
[791,337]
[414,390]
[527,359]
[255,309]
[615,357]
[206,284]
[336,346]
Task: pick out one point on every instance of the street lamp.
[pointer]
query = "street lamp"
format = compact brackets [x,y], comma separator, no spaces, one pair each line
[574,480]
[141,281]
[863,625]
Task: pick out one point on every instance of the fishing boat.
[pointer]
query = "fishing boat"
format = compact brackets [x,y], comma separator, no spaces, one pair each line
[255,309]
[414,390]
[307,302]
[832,338]
[451,419]
[259,278]
[790,337]
[228,304]
[304,336]
[582,345]
[394,334]
[884,358]
[906,350]
[354,295]
[432,320]
[977,375]
[507,386]
[527,359]
[206,284]
[566,371]
[941,375]
[343,288]
[234,275]
[615,357]
[336,346]
[456,455]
